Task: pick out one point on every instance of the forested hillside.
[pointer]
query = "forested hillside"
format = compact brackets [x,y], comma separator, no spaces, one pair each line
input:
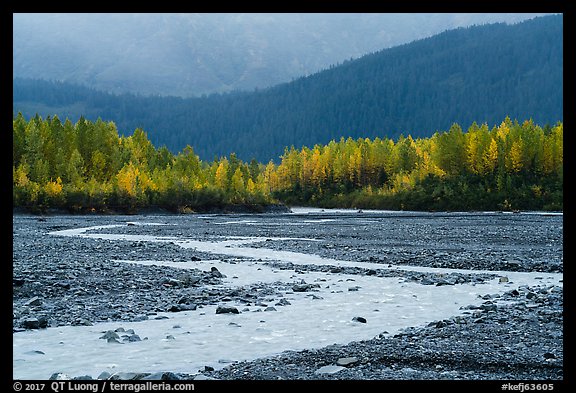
[190,54]
[481,74]
[88,166]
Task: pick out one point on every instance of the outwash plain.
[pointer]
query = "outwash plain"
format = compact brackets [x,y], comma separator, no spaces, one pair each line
[308,295]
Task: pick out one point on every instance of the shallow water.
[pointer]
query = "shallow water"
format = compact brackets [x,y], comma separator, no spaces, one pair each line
[202,337]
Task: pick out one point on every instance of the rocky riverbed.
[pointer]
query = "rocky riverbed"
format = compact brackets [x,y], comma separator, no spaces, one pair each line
[64,278]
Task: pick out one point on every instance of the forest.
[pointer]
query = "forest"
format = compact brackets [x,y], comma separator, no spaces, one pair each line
[88,166]
[480,73]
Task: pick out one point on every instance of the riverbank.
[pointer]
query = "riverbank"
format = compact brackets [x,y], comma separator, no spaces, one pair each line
[155,210]
[510,331]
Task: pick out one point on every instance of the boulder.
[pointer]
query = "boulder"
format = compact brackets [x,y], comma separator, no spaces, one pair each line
[162,376]
[110,334]
[215,272]
[359,319]
[331,369]
[202,377]
[345,362]
[304,287]
[34,323]
[104,375]
[128,376]
[131,338]
[59,377]
[227,310]
[172,282]
[35,301]
[182,307]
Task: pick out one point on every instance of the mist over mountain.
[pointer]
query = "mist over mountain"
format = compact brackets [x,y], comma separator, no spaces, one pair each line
[477,74]
[193,54]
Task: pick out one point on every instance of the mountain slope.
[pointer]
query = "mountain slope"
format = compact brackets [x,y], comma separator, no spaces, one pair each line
[193,54]
[481,73]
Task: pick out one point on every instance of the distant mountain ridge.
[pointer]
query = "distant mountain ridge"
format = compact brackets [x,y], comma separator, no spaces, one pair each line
[480,73]
[188,55]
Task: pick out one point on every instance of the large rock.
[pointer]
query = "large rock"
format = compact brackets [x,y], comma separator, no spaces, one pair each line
[215,272]
[170,282]
[227,310]
[202,377]
[182,307]
[35,301]
[35,323]
[345,362]
[59,377]
[127,376]
[162,376]
[331,369]
[110,334]
[304,287]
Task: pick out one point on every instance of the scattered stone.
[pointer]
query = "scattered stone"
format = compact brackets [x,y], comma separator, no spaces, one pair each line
[170,282]
[63,284]
[83,378]
[304,287]
[270,308]
[104,375]
[110,334]
[329,369]
[346,362]
[182,307]
[523,334]
[82,322]
[488,306]
[35,301]
[227,310]
[202,377]
[127,376]
[162,376]
[215,272]
[35,352]
[131,338]
[35,323]
[59,377]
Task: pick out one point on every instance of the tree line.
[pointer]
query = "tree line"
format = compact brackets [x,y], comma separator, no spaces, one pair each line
[89,166]
[510,166]
[480,73]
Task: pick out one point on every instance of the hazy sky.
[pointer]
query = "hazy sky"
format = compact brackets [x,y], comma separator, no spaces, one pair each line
[192,54]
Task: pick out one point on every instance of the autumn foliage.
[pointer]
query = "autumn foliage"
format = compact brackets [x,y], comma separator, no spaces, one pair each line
[88,166]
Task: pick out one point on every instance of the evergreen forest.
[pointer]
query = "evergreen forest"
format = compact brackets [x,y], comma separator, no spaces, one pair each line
[88,166]
[481,73]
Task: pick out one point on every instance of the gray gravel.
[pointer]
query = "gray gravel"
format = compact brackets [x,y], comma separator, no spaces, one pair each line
[514,336]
